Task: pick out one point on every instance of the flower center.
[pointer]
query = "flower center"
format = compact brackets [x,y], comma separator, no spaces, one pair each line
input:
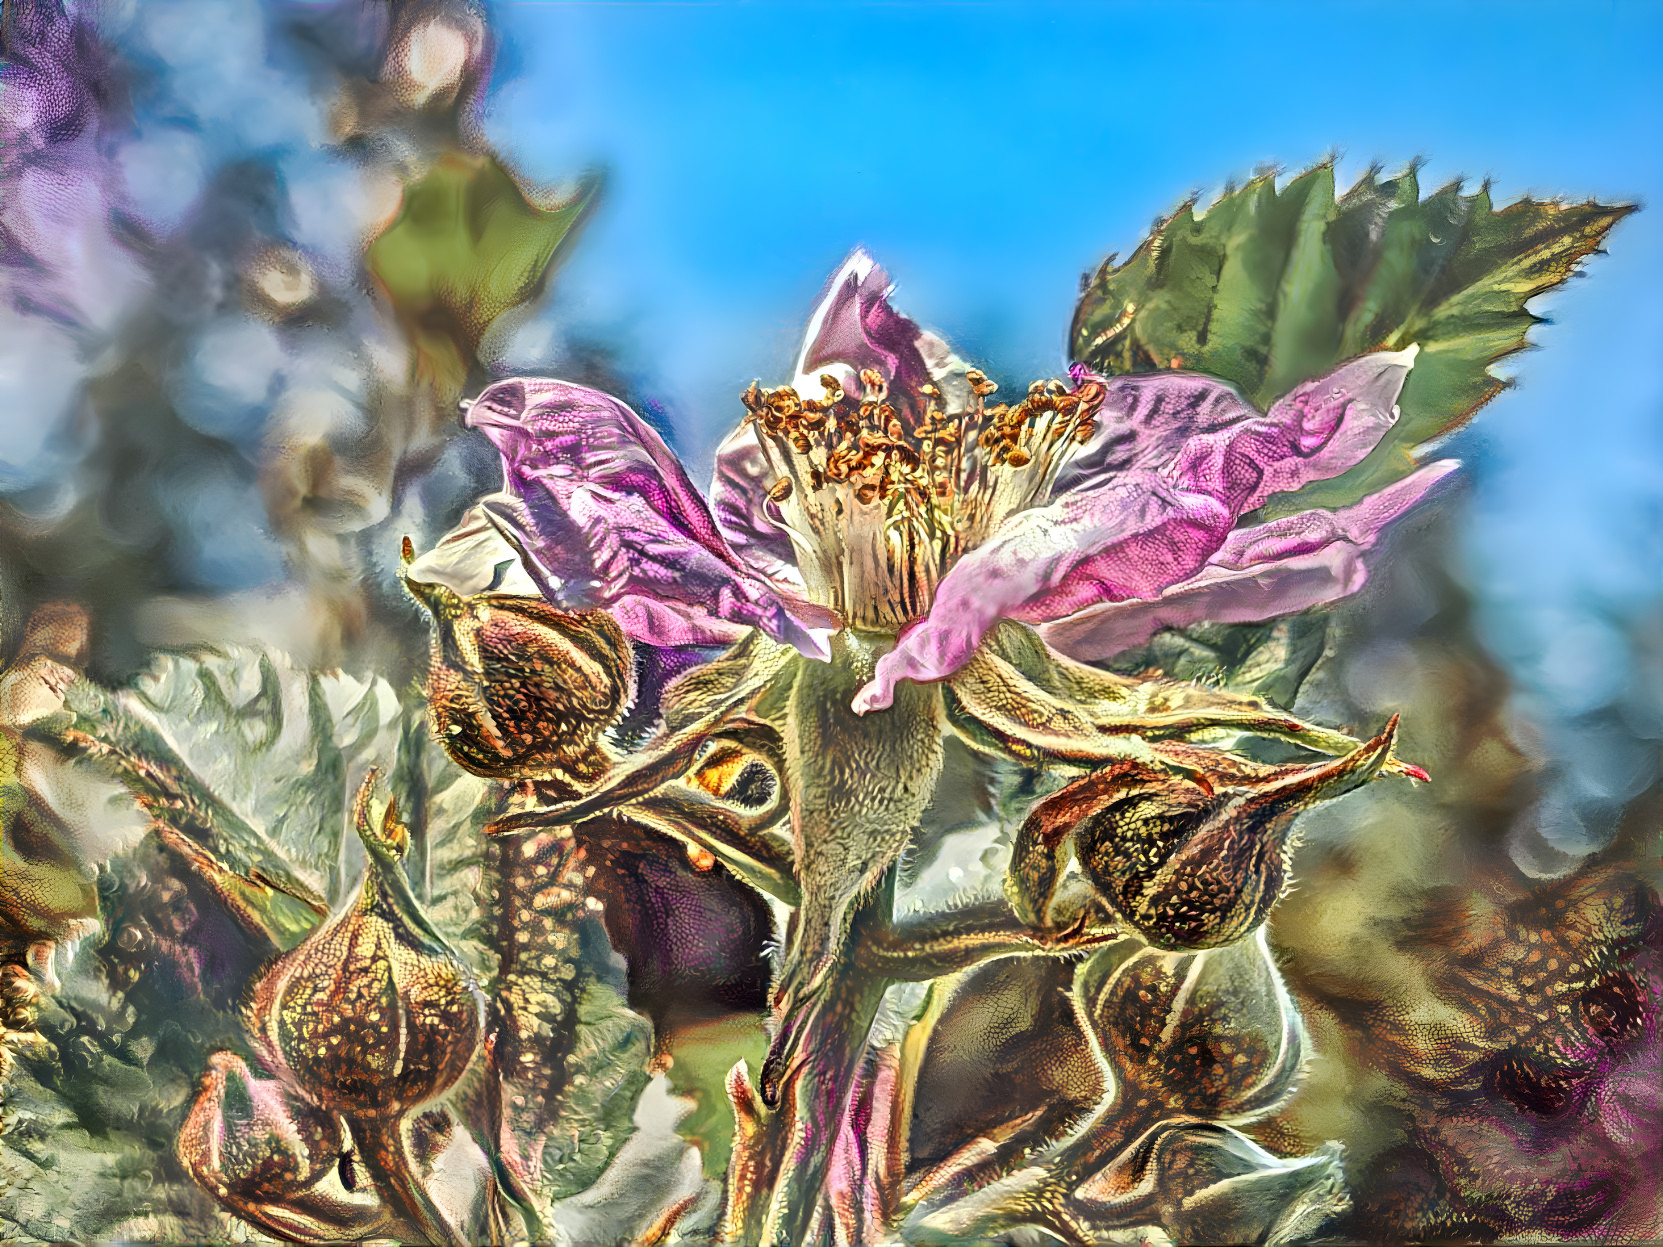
[880,503]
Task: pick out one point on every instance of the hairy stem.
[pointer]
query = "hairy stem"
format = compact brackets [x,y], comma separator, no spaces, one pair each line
[858,787]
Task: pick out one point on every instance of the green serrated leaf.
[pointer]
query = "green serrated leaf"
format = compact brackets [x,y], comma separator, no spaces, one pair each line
[266,706]
[141,758]
[1301,281]
[607,1073]
[1305,329]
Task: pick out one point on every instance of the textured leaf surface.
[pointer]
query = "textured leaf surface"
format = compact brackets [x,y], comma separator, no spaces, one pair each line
[244,756]
[1270,287]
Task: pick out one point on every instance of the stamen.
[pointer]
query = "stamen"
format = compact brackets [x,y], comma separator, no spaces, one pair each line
[879,513]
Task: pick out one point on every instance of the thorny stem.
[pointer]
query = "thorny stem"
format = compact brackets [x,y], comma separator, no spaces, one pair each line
[814,1092]
[923,947]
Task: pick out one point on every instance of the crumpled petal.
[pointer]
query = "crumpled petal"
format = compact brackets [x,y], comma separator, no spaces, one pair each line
[610,519]
[1262,571]
[748,518]
[474,556]
[1128,539]
[1150,419]
[1141,518]
[854,327]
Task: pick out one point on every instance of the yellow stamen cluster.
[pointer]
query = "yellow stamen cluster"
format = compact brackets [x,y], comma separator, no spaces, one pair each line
[943,481]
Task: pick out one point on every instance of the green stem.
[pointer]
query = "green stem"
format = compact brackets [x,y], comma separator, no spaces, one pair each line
[829,1037]
[859,785]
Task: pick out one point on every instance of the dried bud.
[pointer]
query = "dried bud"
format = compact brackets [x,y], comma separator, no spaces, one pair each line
[373,1013]
[273,1159]
[780,490]
[519,689]
[1184,862]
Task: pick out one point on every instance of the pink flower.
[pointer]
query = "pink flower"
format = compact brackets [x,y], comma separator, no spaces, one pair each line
[884,491]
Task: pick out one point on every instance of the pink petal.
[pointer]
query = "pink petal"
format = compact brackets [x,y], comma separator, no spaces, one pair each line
[1177,459]
[1340,417]
[853,327]
[748,518]
[1262,572]
[1128,539]
[1188,422]
[1146,420]
[610,517]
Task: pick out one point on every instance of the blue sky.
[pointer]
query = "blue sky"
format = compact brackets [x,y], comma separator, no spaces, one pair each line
[988,154]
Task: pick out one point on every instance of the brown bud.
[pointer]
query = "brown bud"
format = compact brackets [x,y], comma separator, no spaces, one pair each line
[266,1154]
[1186,863]
[522,690]
[780,490]
[1209,1032]
[372,1013]
[1018,458]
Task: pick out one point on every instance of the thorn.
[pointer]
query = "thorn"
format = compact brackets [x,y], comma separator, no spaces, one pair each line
[748,1113]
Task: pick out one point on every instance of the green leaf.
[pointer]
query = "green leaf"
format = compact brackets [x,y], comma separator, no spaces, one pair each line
[465,247]
[607,1072]
[1271,287]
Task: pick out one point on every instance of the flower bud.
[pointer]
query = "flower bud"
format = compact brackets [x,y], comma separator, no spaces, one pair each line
[373,1013]
[522,690]
[1210,1033]
[273,1159]
[1184,862]
[1203,1182]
